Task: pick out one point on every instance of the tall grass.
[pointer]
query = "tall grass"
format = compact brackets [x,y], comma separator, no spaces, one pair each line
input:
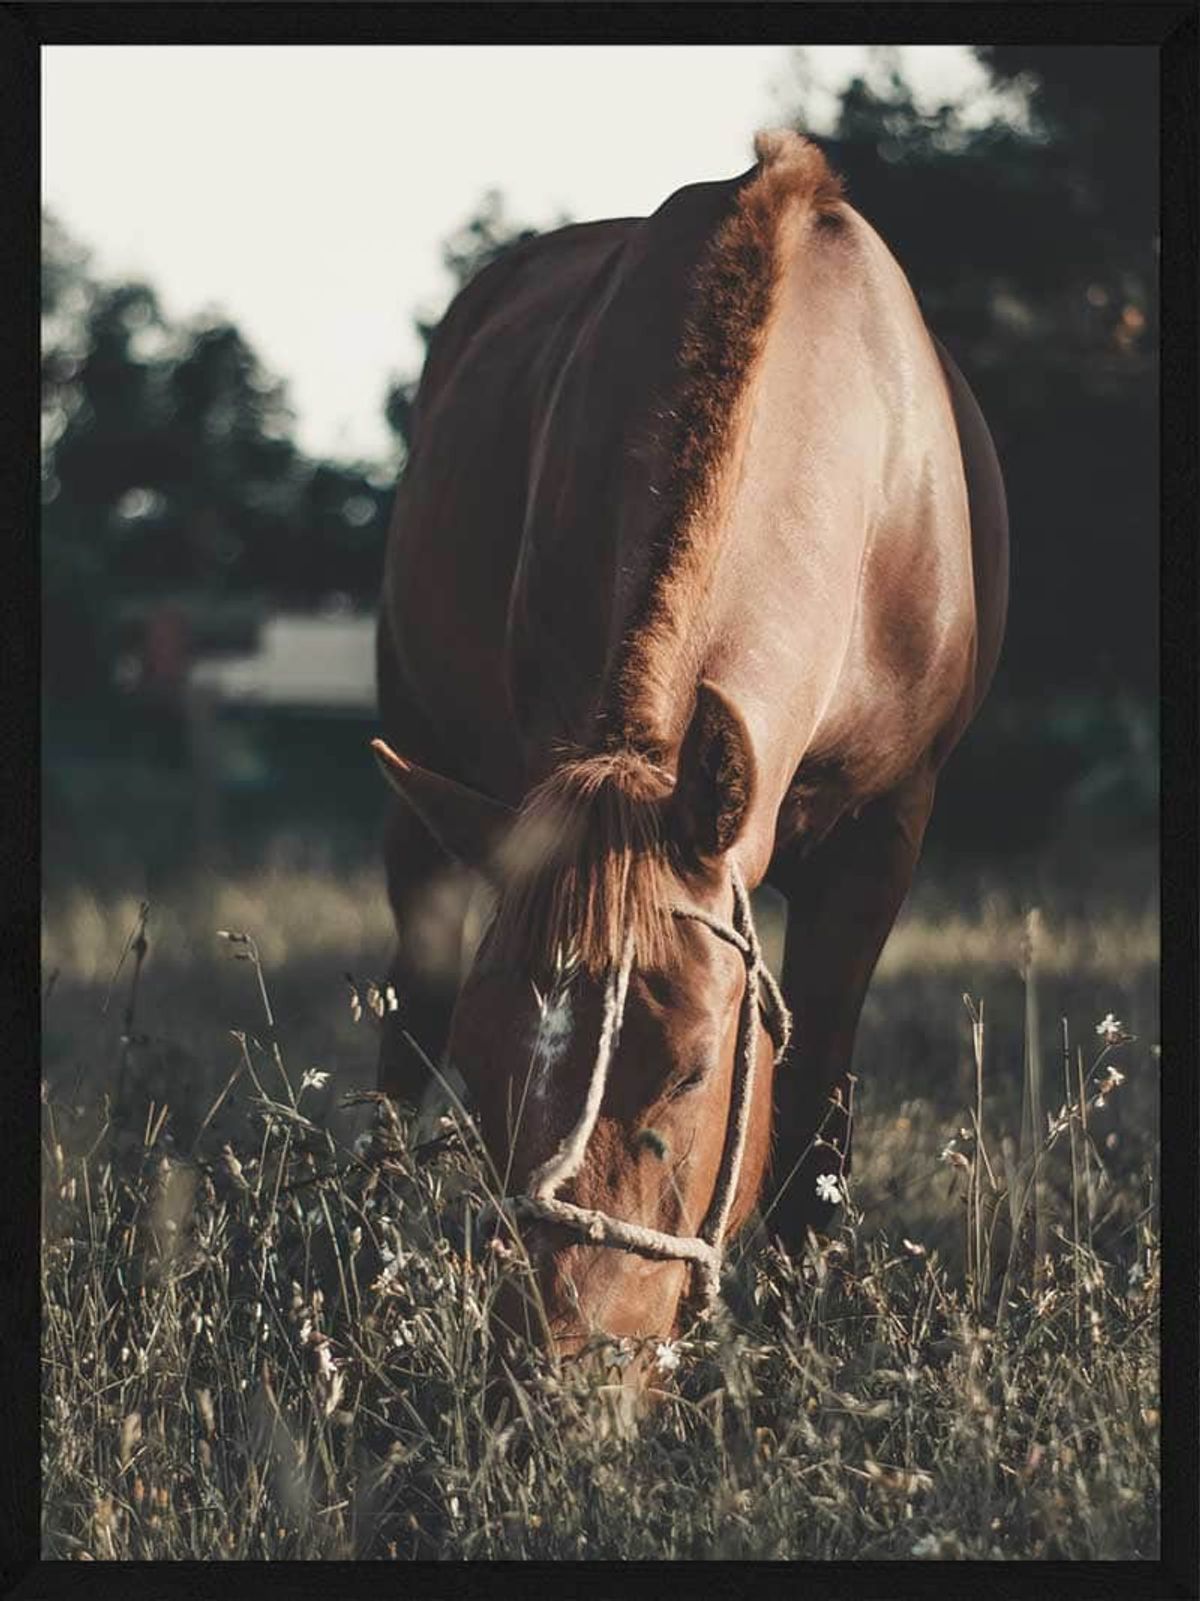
[266,1326]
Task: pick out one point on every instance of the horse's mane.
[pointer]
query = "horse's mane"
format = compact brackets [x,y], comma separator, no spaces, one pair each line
[589,860]
[587,865]
[732,291]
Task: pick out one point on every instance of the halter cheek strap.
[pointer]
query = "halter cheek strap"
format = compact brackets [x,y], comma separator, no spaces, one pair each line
[704,1249]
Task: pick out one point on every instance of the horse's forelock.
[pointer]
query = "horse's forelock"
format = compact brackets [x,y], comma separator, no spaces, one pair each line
[586,865]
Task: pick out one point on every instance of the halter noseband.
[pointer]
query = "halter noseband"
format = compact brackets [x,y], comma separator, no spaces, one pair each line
[704,1249]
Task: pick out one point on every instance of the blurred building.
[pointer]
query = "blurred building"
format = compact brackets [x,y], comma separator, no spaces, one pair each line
[313,662]
[238,726]
[277,736]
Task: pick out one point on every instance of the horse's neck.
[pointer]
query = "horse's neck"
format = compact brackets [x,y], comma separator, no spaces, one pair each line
[593,527]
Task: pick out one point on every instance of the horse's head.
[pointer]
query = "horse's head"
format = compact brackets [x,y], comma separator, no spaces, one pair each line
[617,1030]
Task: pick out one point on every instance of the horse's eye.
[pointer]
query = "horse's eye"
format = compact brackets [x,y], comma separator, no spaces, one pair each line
[686,1084]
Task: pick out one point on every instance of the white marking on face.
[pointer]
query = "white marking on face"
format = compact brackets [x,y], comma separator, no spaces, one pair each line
[551,1039]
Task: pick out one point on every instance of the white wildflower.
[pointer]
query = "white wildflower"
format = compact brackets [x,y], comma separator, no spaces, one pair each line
[314,1079]
[1110,1029]
[390,1270]
[912,1247]
[829,1188]
[666,1356]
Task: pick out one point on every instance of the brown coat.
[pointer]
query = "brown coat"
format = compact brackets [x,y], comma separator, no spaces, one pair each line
[702,544]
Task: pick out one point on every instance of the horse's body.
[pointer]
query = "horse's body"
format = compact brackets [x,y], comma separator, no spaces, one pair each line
[713,446]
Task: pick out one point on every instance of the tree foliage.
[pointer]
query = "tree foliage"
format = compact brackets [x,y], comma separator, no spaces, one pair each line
[170,467]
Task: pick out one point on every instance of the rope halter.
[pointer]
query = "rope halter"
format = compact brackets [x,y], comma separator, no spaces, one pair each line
[540,1200]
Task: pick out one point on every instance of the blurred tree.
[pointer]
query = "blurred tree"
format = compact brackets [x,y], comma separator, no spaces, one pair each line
[1096,114]
[339,522]
[169,467]
[71,564]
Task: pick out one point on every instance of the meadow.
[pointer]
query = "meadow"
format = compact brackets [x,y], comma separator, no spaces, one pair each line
[265,1319]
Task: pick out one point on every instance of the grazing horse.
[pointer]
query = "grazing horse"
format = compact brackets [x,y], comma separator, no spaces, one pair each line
[698,571]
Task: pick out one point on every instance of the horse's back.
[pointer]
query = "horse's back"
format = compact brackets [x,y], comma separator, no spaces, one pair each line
[510,564]
[455,536]
[850,595]
[989,523]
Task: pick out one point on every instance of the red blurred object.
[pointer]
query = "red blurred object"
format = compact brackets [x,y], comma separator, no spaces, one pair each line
[167,649]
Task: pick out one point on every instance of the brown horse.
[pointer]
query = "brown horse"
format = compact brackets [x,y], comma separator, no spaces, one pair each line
[698,571]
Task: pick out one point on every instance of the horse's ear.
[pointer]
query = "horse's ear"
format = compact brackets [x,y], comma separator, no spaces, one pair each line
[469,826]
[715,779]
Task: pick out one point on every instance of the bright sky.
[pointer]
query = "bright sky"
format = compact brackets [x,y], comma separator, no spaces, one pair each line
[306,190]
